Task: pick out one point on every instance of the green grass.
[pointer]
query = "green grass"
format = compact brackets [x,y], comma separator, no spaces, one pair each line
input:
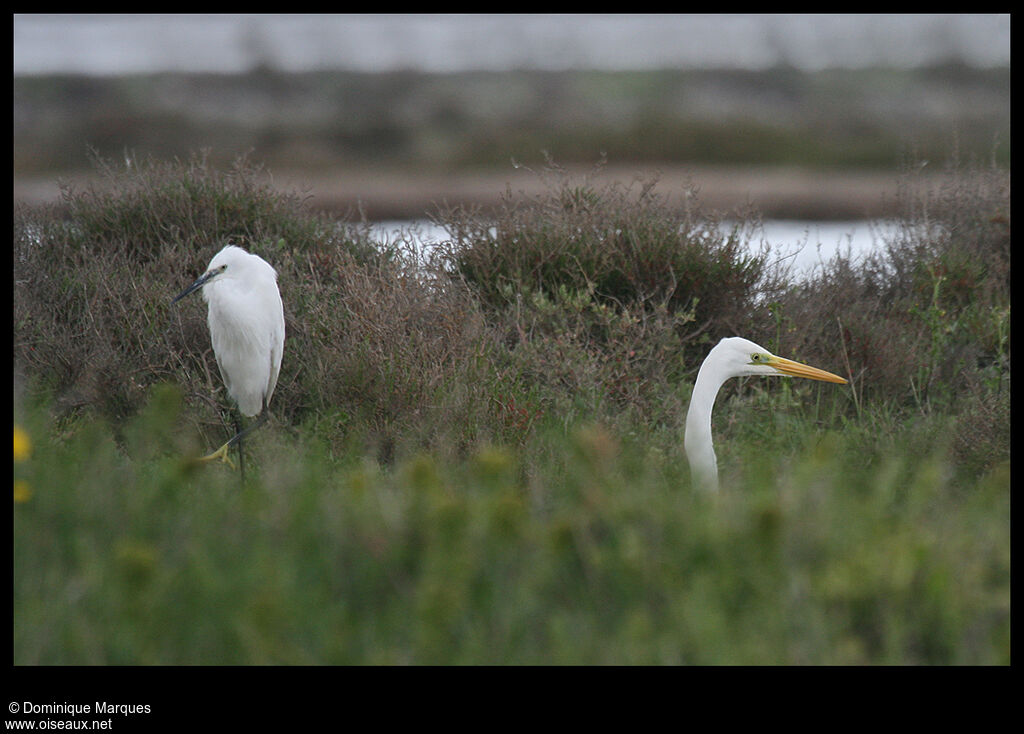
[582,547]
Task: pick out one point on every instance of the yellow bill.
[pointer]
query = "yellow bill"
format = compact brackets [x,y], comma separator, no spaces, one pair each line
[795,369]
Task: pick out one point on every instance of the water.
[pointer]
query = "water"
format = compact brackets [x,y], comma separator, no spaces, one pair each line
[808,244]
[804,245]
[125,44]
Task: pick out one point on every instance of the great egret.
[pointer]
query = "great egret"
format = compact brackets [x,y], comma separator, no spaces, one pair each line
[731,357]
[246,320]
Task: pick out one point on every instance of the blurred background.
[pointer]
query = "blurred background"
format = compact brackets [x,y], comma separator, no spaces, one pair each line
[808,117]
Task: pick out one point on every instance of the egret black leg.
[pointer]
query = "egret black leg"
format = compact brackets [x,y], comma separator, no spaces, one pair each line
[222,452]
[252,426]
[241,453]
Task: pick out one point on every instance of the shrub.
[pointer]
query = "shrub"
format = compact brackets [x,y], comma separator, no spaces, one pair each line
[587,303]
[380,346]
[925,317]
[618,246]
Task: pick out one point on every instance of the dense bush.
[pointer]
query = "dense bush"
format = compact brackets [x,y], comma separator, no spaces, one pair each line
[924,321]
[622,245]
[595,300]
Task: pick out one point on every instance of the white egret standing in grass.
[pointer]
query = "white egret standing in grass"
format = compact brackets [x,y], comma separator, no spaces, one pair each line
[731,357]
[246,320]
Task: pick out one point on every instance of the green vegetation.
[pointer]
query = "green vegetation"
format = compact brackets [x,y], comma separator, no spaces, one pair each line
[476,456]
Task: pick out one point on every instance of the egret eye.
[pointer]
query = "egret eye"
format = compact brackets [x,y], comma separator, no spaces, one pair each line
[755,357]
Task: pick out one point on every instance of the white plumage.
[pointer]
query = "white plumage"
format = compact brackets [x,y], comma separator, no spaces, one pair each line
[246,320]
[731,357]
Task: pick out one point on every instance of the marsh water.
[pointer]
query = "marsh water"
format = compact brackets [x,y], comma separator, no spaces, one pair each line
[801,244]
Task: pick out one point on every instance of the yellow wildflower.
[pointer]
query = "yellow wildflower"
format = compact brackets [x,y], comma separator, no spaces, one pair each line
[22,444]
[22,492]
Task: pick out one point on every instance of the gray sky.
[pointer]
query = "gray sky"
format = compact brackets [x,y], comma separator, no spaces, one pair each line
[115,44]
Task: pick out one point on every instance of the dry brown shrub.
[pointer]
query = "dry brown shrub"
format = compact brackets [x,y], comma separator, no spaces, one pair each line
[375,341]
[925,317]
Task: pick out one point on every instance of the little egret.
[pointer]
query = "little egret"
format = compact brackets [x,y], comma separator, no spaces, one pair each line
[246,320]
[731,357]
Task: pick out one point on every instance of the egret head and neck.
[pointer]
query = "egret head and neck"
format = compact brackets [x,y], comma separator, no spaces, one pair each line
[731,357]
[230,264]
